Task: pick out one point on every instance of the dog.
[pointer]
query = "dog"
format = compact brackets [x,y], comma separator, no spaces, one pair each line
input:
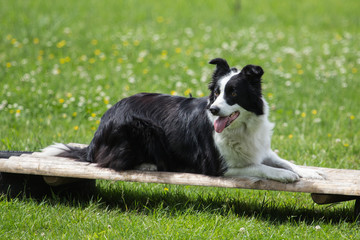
[227,133]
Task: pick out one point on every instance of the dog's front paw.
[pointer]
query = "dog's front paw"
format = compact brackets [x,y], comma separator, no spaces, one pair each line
[286,177]
[310,173]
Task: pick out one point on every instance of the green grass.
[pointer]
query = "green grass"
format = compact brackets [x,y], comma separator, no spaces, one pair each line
[63,63]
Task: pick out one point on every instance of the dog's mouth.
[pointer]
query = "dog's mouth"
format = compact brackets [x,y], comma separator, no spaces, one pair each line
[222,122]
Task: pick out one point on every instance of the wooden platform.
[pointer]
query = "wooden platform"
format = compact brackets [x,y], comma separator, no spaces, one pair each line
[340,185]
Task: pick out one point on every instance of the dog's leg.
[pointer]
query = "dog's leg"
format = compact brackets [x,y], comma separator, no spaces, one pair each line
[275,161]
[264,171]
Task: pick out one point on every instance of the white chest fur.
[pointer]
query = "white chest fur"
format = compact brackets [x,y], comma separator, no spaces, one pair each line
[247,141]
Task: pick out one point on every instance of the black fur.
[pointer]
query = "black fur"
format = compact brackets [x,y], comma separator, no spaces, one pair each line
[247,88]
[171,132]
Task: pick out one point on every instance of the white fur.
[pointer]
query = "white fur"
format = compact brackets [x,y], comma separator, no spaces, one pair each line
[54,149]
[246,144]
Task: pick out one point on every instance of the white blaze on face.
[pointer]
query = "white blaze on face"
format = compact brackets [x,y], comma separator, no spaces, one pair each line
[228,113]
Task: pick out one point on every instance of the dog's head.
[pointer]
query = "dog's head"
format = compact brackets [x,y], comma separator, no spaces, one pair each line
[233,92]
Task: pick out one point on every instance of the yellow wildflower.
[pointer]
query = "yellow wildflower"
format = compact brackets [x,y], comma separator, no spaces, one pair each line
[61,44]
[160,19]
[187,92]
[97,52]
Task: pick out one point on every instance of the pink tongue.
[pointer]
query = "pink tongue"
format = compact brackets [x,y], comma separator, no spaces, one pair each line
[220,124]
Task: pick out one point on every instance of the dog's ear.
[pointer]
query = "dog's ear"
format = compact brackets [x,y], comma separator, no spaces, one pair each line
[253,71]
[222,67]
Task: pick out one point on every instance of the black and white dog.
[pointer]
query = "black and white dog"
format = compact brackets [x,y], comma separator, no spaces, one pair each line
[227,133]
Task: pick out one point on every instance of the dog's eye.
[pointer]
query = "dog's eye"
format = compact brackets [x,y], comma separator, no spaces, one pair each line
[217,93]
[234,94]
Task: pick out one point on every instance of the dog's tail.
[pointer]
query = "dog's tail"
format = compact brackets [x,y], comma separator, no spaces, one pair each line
[67,151]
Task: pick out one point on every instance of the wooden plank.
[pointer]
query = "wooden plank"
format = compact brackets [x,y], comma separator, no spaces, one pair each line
[338,182]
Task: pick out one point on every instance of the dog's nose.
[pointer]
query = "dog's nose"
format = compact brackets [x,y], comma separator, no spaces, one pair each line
[214,110]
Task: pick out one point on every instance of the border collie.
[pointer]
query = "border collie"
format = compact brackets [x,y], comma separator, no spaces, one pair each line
[227,133]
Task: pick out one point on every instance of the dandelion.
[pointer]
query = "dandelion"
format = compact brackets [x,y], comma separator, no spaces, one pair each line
[127,87]
[125,43]
[160,19]
[8,65]
[303,115]
[136,43]
[291,136]
[173,92]
[61,44]
[92,60]
[314,112]
[36,41]
[352,117]
[188,52]
[61,100]
[164,54]
[199,93]
[346,145]
[329,135]
[106,101]
[187,92]
[17,112]
[76,128]
[145,71]
[298,66]
[270,95]
[93,115]
[74,114]
[13,41]
[354,70]
[120,60]
[338,37]
[97,122]
[94,42]
[166,189]
[97,52]
[178,50]
[300,72]
[64,115]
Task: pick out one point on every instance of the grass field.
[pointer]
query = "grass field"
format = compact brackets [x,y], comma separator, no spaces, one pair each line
[63,63]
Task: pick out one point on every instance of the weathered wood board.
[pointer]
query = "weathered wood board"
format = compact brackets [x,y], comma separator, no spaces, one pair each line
[338,182]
